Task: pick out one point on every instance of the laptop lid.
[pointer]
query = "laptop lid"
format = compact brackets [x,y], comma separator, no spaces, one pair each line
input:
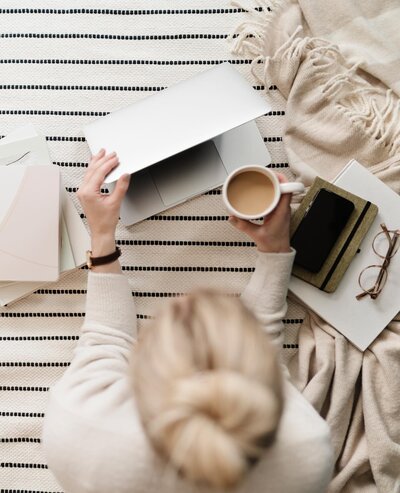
[175,119]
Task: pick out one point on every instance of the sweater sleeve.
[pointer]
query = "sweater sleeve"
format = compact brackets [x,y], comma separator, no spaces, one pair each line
[110,328]
[265,294]
[107,336]
[92,395]
[109,303]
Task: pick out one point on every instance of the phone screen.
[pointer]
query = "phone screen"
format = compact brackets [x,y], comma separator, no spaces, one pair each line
[319,229]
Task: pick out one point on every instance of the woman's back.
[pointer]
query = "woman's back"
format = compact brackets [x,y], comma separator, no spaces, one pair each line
[94,434]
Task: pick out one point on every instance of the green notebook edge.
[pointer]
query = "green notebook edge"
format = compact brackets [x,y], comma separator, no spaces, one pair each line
[346,246]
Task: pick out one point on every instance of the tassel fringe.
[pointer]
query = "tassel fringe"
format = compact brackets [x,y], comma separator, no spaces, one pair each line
[360,101]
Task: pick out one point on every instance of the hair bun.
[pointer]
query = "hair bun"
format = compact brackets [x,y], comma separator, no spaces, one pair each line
[213,422]
[208,387]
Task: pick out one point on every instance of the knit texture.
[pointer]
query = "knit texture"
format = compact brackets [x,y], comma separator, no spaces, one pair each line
[93,436]
[63,64]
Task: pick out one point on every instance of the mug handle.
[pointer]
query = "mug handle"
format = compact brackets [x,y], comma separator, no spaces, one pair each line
[291,187]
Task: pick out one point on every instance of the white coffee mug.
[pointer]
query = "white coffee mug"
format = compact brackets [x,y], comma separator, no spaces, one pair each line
[275,193]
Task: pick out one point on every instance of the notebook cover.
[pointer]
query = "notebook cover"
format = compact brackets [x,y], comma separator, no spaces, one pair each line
[346,246]
[29,223]
[79,241]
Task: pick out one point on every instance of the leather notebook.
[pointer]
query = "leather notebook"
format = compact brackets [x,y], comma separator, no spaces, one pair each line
[328,277]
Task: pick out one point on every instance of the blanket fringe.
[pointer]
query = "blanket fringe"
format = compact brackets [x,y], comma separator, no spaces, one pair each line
[250,38]
[358,99]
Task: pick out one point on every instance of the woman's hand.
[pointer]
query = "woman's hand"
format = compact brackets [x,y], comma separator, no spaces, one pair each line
[272,235]
[102,211]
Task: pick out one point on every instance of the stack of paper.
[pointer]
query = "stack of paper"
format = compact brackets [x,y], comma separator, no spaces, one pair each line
[21,154]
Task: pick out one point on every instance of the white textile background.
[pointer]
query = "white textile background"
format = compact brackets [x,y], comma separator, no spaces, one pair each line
[62,64]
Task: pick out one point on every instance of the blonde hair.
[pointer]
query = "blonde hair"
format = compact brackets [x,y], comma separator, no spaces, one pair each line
[208,387]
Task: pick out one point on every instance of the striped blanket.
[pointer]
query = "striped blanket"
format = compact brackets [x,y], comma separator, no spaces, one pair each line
[62,64]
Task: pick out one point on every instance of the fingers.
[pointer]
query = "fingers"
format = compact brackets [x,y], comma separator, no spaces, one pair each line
[281,177]
[104,168]
[286,198]
[93,163]
[121,188]
[96,161]
[245,226]
[96,157]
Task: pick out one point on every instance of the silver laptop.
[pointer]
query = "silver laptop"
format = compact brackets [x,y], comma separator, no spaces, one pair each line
[182,141]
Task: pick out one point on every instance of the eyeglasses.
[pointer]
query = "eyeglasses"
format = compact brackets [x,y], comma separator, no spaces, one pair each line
[385,241]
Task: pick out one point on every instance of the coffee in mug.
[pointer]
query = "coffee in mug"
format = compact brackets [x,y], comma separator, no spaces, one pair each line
[253,191]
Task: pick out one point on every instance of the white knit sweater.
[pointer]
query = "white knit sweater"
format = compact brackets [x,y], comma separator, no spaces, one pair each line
[94,440]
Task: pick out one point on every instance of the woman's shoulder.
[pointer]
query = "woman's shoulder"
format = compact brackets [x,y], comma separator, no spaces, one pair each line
[301,458]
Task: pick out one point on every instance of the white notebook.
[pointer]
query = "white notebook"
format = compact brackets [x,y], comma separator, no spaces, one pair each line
[360,321]
[29,223]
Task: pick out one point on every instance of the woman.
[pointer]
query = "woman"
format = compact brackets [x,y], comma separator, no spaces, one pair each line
[198,403]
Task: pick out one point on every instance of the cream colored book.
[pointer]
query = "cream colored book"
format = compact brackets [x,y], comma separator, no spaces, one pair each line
[29,223]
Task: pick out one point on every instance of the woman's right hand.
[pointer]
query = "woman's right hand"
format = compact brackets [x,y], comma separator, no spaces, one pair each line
[102,210]
[272,236]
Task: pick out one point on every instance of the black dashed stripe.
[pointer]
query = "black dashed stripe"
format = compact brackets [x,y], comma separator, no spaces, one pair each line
[216,191]
[278,165]
[187,218]
[40,314]
[138,294]
[23,465]
[54,113]
[63,138]
[185,243]
[60,291]
[35,364]
[39,338]
[70,164]
[55,314]
[19,414]
[20,440]
[177,218]
[60,61]
[290,346]
[292,320]
[126,12]
[86,113]
[272,139]
[275,113]
[49,87]
[118,37]
[17,388]
[28,491]
[154,268]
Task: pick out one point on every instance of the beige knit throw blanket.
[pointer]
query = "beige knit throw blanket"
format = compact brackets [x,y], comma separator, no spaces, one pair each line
[338,66]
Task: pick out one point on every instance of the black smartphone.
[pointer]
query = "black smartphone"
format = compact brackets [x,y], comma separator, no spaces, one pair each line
[319,229]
